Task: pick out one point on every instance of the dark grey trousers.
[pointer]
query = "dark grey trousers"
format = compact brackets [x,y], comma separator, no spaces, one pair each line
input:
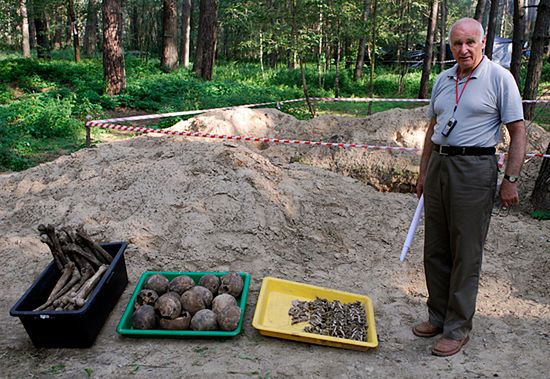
[458,194]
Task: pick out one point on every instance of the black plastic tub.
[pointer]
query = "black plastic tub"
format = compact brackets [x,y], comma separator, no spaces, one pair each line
[78,328]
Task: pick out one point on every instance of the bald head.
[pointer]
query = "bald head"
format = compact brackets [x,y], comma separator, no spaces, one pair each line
[467,41]
[469,23]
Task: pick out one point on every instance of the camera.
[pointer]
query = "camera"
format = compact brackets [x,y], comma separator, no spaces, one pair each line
[449,127]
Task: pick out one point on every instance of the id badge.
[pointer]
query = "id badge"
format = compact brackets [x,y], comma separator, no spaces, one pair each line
[449,127]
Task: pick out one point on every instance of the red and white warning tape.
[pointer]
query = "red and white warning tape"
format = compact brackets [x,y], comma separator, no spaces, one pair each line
[538,155]
[107,124]
[135,129]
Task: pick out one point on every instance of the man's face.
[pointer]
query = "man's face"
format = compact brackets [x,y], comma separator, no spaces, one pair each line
[466,46]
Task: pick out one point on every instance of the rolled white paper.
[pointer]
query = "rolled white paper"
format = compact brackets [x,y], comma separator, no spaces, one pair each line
[412,228]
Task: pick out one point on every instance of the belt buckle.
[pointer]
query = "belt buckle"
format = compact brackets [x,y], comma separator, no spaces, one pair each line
[441,150]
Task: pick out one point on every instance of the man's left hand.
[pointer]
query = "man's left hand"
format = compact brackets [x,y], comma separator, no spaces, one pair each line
[508,193]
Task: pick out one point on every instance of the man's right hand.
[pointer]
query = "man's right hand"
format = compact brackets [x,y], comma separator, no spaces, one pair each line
[508,193]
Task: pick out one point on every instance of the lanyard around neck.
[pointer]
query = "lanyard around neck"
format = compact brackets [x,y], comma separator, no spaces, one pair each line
[457,97]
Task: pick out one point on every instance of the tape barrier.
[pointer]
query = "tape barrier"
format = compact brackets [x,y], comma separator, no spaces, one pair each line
[278,105]
[538,155]
[198,111]
[135,129]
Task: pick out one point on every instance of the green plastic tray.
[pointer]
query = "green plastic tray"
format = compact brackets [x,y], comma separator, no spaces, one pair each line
[125,325]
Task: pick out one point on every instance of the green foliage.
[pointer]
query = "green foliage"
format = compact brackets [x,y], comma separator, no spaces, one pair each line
[181,90]
[43,104]
[44,117]
[541,215]
[135,368]
[30,125]
[56,369]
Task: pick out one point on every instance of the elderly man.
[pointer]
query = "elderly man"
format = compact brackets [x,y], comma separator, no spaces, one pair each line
[458,177]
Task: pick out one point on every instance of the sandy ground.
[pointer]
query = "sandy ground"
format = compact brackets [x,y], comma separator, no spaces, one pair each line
[201,206]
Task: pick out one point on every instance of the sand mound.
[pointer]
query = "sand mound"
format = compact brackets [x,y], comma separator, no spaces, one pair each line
[384,170]
[197,206]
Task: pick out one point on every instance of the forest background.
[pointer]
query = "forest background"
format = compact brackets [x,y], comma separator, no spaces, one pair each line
[61,60]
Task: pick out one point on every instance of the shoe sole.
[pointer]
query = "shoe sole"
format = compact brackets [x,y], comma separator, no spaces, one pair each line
[426,335]
[452,352]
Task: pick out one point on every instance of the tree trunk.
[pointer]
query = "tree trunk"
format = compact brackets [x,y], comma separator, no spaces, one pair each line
[68,29]
[134,28]
[362,44]
[539,44]
[273,57]
[372,57]
[169,56]
[32,33]
[192,24]
[502,28]
[337,64]
[540,197]
[486,12]
[185,32]
[530,15]
[320,49]
[443,35]
[328,53]
[74,31]
[405,31]
[25,43]
[43,47]
[347,53]
[306,92]
[261,54]
[58,31]
[491,29]
[517,41]
[480,9]
[90,31]
[293,59]
[6,32]
[197,62]
[428,51]
[207,38]
[113,53]
[32,27]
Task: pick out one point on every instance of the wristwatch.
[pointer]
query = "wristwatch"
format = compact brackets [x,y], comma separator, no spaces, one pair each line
[511,178]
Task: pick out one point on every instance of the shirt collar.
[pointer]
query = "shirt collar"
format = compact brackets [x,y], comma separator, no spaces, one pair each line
[480,69]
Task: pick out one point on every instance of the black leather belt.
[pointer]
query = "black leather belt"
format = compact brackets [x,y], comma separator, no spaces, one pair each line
[466,150]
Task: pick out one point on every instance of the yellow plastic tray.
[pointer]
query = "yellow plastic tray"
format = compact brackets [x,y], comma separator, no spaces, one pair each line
[275,299]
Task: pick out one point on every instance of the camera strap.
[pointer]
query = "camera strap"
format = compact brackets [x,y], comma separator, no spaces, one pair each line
[457,97]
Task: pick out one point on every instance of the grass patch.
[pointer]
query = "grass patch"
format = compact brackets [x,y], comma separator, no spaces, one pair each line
[542,117]
[360,109]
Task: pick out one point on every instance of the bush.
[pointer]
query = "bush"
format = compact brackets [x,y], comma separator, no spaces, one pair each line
[44,117]
[28,126]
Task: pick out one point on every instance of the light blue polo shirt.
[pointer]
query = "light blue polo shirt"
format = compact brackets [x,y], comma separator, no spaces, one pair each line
[490,99]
